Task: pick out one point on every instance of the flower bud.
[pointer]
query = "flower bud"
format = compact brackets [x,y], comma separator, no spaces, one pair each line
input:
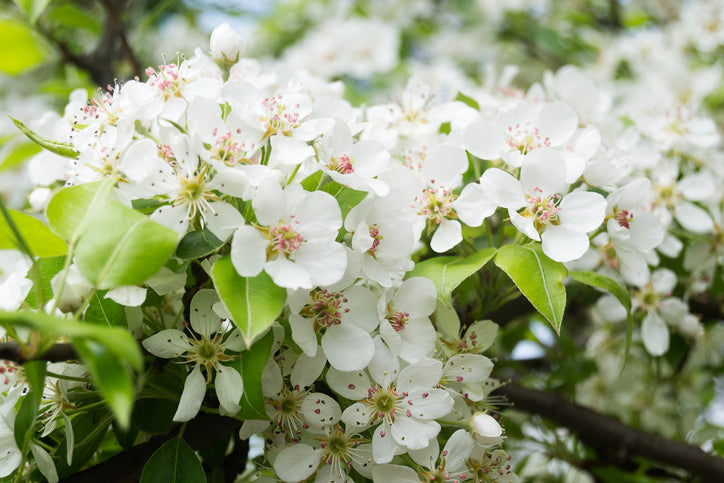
[486,430]
[226,44]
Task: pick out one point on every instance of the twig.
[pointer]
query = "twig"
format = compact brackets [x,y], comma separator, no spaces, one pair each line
[12,351]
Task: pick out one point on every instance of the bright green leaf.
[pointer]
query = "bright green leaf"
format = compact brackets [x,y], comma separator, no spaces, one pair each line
[117,340]
[254,302]
[610,285]
[111,377]
[20,49]
[61,149]
[18,155]
[41,273]
[467,100]
[252,364]
[122,247]
[40,239]
[449,272]
[174,462]
[539,278]
[70,209]
[197,244]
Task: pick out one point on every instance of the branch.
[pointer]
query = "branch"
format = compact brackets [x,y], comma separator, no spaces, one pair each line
[12,351]
[609,436]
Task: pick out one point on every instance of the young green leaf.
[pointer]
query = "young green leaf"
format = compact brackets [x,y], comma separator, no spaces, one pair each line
[347,198]
[539,278]
[122,247]
[70,209]
[254,302]
[61,149]
[449,272]
[174,462]
[197,244]
[40,239]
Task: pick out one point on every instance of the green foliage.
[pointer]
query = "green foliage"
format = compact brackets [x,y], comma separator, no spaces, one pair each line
[104,311]
[449,272]
[253,302]
[20,48]
[174,462]
[41,273]
[539,279]
[198,244]
[18,155]
[252,363]
[122,247]
[61,149]
[38,237]
[71,208]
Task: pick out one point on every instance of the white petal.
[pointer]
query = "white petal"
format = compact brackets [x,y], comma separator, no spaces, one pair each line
[324,262]
[288,274]
[444,165]
[297,463]
[557,122]
[388,473]
[544,169]
[485,140]
[203,318]
[45,463]
[229,388]
[290,151]
[384,445]
[447,235]
[347,347]
[416,296]
[191,397]
[222,219]
[167,344]
[526,224]
[502,189]
[320,410]
[350,385]
[655,334]
[425,373]
[582,210]
[358,416]
[646,231]
[248,251]
[130,296]
[430,403]
[303,334]
[693,218]
[564,244]
[413,433]
[306,370]
[472,206]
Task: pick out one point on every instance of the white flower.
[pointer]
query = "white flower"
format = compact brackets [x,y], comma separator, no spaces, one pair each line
[294,241]
[538,207]
[486,430]
[207,351]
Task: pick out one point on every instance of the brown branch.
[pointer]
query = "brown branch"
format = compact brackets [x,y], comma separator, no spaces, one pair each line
[12,351]
[609,437]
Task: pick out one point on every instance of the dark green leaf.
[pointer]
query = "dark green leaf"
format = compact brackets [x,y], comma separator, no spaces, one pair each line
[89,429]
[35,372]
[252,363]
[155,415]
[197,244]
[174,462]
[105,311]
[111,377]
[25,420]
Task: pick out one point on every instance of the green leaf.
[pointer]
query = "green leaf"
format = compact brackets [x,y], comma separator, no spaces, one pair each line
[89,430]
[105,311]
[70,209]
[155,415]
[70,16]
[197,244]
[18,155]
[145,205]
[41,273]
[539,278]
[20,48]
[449,272]
[122,247]
[252,364]
[32,8]
[254,302]
[25,420]
[467,100]
[117,340]
[61,149]
[174,462]
[346,197]
[35,372]
[111,377]
[311,182]
[593,279]
[40,239]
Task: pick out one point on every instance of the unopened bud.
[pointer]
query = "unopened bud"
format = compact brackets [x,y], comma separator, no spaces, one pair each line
[226,44]
[486,430]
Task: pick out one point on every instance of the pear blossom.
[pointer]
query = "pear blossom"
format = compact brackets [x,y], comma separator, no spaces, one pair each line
[206,348]
[226,45]
[293,240]
[538,206]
